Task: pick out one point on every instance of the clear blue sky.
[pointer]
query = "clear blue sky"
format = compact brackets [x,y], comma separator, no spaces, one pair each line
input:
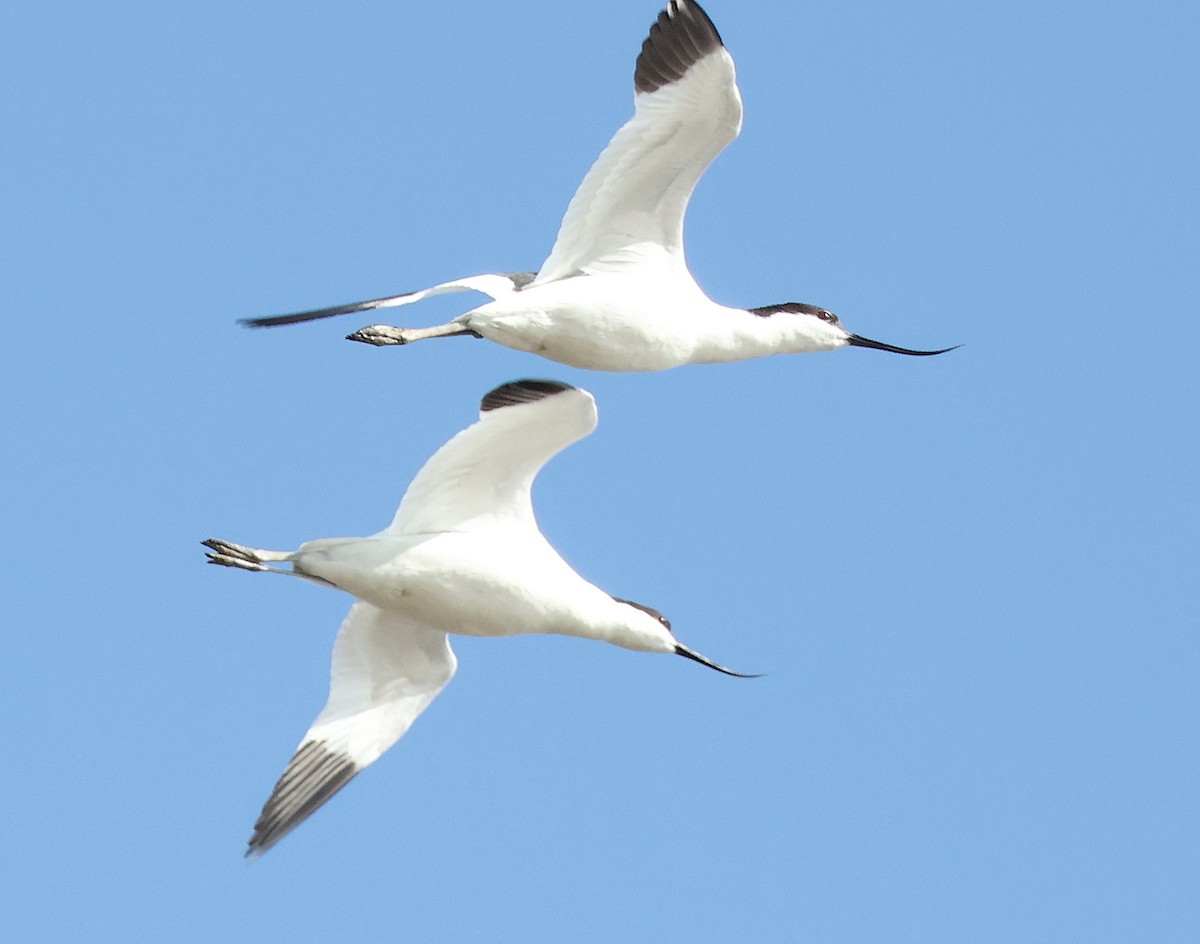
[971,580]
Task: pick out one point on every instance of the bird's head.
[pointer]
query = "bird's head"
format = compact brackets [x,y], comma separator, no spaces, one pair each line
[650,631]
[812,328]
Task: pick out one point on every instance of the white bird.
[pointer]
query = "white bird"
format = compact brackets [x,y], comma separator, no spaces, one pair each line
[463,555]
[615,292]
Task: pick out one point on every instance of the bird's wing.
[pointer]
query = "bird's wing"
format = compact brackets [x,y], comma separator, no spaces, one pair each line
[494,286]
[484,474]
[629,209]
[386,669]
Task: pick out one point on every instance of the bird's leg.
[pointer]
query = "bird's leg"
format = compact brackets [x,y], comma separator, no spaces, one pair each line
[247,558]
[382,335]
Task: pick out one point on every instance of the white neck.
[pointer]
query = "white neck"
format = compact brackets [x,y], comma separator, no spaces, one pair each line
[734,334]
[620,624]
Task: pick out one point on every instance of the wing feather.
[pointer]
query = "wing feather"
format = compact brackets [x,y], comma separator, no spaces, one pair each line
[494,286]
[629,210]
[486,471]
[386,670]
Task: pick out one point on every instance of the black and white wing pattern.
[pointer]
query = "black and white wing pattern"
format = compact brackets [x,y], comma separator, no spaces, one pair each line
[493,286]
[485,473]
[386,670]
[629,209]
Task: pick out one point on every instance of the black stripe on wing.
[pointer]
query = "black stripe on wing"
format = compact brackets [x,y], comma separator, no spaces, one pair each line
[313,775]
[521,391]
[681,37]
[297,317]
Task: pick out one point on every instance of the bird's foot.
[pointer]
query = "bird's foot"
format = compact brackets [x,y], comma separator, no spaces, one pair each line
[228,554]
[381,335]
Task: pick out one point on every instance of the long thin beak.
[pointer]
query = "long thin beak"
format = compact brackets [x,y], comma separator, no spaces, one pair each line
[687,653]
[857,340]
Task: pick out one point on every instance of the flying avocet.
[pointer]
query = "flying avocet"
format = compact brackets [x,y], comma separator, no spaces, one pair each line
[615,292]
[463,555]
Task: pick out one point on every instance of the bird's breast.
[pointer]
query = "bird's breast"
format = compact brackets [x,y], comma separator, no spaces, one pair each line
[593,322]
[477,584]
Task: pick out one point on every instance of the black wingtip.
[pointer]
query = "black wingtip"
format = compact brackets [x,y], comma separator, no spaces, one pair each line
[680,37]
[299,317]
[521,391]
[313,775]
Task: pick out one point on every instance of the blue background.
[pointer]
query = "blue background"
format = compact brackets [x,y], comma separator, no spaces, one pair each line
[971,580]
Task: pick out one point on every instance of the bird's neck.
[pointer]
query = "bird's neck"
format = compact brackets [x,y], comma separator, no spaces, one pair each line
[613,621]
[735,334]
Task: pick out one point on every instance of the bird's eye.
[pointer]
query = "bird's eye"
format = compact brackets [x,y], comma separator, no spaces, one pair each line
[827,316]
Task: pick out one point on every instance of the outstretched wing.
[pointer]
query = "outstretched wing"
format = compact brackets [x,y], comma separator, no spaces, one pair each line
[386,670]
[494,286]
[629,209]
[485,472]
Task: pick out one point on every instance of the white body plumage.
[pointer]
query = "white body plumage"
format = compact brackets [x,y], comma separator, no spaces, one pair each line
[639,322]
[463,555]
[615,292]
